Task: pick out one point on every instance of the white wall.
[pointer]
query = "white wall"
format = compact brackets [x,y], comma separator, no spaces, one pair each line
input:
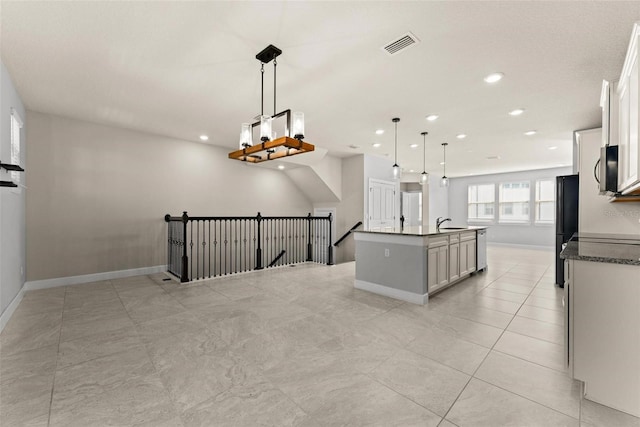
[521,234]
[12,201]
[98,194]
[596,213]
[349,210]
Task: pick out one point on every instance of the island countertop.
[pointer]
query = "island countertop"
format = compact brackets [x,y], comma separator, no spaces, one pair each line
[425,231]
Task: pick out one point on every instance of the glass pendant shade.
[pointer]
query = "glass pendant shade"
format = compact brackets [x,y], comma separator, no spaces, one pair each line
[245,136]
[444,181]
[298,125]
[424,178]
[397,172]
[265,128]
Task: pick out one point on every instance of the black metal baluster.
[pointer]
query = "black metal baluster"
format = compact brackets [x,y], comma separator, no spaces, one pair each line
[216,248]
[259,248]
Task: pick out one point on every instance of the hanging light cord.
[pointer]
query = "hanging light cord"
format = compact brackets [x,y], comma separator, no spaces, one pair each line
[275,64]
[424,153]
[444,167]
[396,145]
[262,88]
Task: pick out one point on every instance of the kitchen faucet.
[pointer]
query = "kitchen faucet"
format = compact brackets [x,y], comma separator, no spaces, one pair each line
[440,221]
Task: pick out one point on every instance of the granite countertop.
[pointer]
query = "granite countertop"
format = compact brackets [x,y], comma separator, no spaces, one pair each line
[609,248]
[425,231]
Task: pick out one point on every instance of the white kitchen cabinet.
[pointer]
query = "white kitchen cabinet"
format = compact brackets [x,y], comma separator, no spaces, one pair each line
[437,263]
[467,257]
[454,262]
[628,123]
[467,253]
[602,336]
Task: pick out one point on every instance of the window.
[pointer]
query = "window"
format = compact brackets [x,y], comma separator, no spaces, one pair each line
[16,131]
[481,202]
[514,201]
[545,201]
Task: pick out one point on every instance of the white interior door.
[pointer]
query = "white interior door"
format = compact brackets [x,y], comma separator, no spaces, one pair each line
[412,208]
[382,205]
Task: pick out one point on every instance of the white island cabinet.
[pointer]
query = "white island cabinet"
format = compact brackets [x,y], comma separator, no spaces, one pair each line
[414,263]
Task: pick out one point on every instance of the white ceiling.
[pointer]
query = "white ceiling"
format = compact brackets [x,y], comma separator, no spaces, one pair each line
[186,68]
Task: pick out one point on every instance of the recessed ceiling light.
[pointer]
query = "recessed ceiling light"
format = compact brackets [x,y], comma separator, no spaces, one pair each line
[494,77]
[553,148]
[379,131]
[377,145]
[281,167]
[516,112]
[493,158]
[461,136]
[411,170]
[354,146]
[442,163]
[432,117]
[204,137]
[530,132]
[414,146]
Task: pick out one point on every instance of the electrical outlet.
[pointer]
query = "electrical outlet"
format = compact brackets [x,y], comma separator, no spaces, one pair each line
[386,253]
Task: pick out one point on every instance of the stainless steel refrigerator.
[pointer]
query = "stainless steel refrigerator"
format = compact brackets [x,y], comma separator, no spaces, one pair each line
[566,217]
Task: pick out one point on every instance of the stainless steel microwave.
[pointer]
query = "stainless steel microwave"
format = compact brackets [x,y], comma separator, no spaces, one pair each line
[606,170]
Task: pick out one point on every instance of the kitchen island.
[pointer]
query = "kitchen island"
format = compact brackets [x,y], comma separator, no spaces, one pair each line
[412,263]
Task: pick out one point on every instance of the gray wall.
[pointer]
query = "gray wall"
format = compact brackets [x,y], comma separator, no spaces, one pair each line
[98,194]
[349,209]
[521,234]
[438,200]
[12,201]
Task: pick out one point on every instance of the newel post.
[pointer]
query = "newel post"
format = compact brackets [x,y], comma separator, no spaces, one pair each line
[330,248]
[259,245]
[309,246]
[185,259]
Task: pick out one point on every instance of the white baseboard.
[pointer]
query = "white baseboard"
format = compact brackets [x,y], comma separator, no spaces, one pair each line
[516,245]
[392,292]
[88,278]
[8,312]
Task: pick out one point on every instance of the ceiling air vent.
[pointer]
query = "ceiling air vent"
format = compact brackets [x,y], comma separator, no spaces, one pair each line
[400,44]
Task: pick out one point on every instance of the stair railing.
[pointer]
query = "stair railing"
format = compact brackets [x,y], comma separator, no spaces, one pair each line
[345,235]
[206,247]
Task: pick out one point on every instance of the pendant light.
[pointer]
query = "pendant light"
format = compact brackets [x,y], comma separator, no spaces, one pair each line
[424,176]
[444,182]
[397,172]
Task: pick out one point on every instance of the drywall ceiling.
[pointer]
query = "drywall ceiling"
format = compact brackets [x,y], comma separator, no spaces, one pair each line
[188,68]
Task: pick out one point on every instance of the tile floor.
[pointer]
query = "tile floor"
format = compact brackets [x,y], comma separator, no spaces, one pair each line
[295,346]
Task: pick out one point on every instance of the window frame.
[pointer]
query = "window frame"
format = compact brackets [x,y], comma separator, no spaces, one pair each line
[500,203]
[493,202]
[536,203]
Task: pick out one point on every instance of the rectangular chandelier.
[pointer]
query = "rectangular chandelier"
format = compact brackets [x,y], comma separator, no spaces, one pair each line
[271,147]
[271,150]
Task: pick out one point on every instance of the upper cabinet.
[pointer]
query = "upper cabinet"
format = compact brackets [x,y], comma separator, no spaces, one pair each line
[626,135]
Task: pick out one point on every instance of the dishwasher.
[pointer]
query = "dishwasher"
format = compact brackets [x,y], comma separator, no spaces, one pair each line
[481,253]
